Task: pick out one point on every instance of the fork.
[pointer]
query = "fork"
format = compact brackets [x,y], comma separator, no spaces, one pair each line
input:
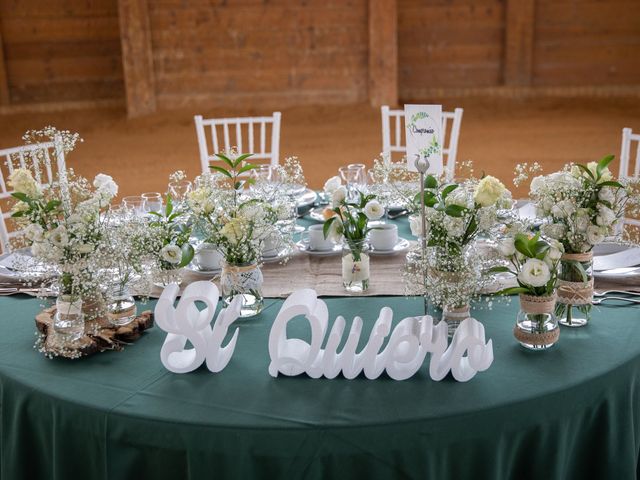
[598,301]
[623,292]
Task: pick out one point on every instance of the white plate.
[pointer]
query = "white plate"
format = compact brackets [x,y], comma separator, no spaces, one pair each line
[316,214]
[619,273]
[193,268]
[304,247]
[280,255]
[610,256]
[402,246]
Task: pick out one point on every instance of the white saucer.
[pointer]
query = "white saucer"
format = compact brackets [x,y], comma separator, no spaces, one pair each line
[316,214]
[402,246]
[306,198]
[279,255]
[191,267]
[304,247]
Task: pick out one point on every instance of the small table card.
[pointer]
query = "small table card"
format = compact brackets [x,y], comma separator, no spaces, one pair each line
[423,130]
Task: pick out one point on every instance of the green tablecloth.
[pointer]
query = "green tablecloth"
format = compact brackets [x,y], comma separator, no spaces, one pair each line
[570,412]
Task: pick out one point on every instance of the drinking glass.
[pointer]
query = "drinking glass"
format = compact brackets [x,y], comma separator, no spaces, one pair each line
[134,204]
[179,190]
[361,177]
[153,201]
[350,176]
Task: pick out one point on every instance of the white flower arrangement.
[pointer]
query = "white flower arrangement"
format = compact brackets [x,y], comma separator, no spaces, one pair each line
[532,260]
[582,204]
[240,222]
[62,224]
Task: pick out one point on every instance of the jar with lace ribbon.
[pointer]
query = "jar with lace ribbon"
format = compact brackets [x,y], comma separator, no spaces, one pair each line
[575,289]
[536,325]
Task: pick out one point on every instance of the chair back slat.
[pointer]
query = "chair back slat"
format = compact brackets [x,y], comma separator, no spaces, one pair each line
[239,133]
[37,158]
[397,144]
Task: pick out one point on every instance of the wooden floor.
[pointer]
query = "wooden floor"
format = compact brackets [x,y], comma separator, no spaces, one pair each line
[496,134]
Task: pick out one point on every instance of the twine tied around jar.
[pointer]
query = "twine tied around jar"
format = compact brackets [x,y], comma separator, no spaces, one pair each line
[456,313]
[531,338]
[537,304]
[576,293]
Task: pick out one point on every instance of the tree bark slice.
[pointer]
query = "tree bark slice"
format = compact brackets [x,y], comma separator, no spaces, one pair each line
[99,335]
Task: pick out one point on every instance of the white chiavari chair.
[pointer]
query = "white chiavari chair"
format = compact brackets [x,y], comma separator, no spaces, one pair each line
[628,169]
[38,158]
[396,143]
[247,134]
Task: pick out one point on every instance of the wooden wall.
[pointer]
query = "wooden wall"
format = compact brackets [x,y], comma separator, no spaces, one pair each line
[61,50]
[241,52]
[269,53]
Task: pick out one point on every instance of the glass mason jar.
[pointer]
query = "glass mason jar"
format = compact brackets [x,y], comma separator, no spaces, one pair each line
[452,278]
[121,306]
[355,265]
[164,277]
[536,325]
[68,320]
[575,289]
[246,280]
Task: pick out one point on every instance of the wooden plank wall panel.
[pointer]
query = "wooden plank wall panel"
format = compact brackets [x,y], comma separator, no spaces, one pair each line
[62,50]
[449,43]
[587,42]
[250,51]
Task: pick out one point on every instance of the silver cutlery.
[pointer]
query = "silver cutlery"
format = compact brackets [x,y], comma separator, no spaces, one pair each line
[623,292]
[598,301]
[391,216]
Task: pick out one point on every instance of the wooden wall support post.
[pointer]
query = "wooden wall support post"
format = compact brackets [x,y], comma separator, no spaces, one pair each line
[383,52]
[4,79]
[520,23]
[137,57]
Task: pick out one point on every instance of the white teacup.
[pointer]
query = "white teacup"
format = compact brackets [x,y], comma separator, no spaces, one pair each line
[208,257]
[314,237]
[384,236]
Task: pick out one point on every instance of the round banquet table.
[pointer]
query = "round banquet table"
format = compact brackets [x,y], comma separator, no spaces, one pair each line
[570,412]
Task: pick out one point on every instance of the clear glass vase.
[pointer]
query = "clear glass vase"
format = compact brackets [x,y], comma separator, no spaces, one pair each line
[536,325]
[163,277]
[355,266]
[452,278]
[68,320]
[121,306]
[575,289]
[246,280]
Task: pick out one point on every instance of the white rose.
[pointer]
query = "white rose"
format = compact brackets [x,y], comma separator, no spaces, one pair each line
[332,184]
[583,219]
[373,210]
[460,197]
[486,219]
[595,234]
[563,209]
[58,236]
[171,254]
[536,184]
[607,194]
[554,230]
[105,184]
[34,232]
[507,247]
[338,196]
[606,216]
[415,224]
[22,181]
[556,250]
[488,191]
[535,273]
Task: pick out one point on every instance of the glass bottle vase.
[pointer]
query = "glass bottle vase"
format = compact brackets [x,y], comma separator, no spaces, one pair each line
[121,306]
[246,280]
[68,320]
[536,325]
[355,266]
[575,289]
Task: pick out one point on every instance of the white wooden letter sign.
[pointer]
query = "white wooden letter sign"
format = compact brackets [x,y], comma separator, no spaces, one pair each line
[408,345]
[186,322]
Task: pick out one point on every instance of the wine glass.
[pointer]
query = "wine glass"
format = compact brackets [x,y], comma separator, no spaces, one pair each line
[134,204]
[179,190]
